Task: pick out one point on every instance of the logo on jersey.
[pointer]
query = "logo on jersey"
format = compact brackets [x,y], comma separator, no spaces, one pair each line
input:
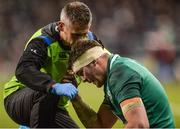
[64,55]
[34,51]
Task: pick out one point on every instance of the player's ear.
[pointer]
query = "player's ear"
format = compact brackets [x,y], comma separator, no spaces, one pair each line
[60,26]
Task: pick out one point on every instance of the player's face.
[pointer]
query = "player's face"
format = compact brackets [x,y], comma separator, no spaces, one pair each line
[92,73]
[72,32]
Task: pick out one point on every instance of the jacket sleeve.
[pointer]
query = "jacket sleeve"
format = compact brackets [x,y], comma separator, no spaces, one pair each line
[28,68]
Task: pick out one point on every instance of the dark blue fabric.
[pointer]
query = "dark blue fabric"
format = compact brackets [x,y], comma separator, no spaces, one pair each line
[46,39]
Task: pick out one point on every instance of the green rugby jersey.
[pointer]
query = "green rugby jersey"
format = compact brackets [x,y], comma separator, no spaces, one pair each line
[127,79]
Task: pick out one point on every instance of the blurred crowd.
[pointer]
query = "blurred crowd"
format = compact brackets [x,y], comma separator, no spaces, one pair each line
[147,30]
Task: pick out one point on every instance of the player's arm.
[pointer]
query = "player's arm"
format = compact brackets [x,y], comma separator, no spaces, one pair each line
[134,112]
[104,118]
[28,68]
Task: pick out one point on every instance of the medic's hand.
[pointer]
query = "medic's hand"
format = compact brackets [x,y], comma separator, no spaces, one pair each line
[66,89]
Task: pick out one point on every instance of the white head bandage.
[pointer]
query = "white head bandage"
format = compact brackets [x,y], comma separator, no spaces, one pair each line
[87,57]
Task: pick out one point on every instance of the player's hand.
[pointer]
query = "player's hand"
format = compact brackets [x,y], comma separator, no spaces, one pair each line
[69,77]
[66,89]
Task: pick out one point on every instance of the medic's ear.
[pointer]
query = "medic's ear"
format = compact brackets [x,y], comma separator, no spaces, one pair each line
[60,26]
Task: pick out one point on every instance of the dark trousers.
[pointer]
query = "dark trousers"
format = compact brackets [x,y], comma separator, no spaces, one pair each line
[37,110]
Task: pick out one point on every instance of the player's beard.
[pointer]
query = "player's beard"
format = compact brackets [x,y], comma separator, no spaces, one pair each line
[98,84]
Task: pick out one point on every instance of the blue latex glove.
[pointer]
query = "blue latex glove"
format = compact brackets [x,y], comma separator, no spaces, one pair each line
[65,89]
[23,127]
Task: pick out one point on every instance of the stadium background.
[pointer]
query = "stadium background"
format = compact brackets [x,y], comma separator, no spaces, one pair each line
[147,30]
